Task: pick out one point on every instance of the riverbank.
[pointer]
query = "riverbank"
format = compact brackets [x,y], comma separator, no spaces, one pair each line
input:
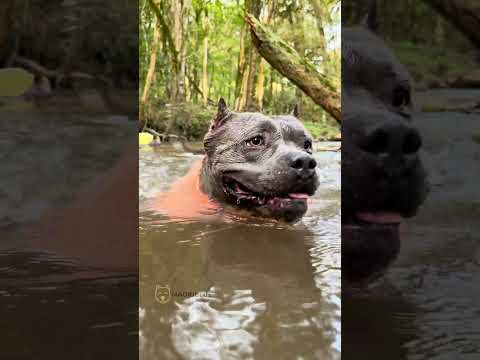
[192,122]
[438,67]
[442,100]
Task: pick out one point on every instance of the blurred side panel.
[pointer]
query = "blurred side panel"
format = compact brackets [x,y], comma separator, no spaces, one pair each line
[69,172]
[410,199]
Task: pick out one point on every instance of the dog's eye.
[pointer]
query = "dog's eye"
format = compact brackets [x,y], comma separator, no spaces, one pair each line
[307,145]
[401,97]
[256,141]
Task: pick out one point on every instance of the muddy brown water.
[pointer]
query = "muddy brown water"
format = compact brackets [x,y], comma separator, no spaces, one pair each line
[238,289]
[427,306]
[50,306]
[263,291]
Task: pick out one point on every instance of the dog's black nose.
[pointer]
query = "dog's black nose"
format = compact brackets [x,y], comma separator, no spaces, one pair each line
[395,144]
[303,164]
[393,138]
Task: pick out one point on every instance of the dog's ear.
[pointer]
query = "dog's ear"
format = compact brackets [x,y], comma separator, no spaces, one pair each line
[295,112]
[223,113]
[371,20]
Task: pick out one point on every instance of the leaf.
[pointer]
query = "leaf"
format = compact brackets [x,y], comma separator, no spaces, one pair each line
[14,81]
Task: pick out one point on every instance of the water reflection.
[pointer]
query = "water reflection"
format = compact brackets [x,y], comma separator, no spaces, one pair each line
[51,304]
[427,305]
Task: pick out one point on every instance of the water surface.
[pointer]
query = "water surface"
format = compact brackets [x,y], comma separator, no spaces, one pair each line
[238,289]
[51,306]
[427,306]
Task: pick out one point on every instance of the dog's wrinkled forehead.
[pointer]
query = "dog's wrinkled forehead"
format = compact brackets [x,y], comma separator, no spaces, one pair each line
[243,125]
[236,128]
[368,62]
[291,128]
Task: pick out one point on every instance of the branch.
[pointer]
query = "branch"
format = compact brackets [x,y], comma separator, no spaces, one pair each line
[182,139]
[57,75]
[463,15]
[35,67]
[286,60]
[197,89]
[166,31]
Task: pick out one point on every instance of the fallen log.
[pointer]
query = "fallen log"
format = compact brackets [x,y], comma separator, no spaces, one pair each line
[299,71]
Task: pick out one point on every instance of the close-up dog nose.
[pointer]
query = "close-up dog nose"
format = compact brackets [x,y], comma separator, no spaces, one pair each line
[394,147]
[393,139]
[303,164]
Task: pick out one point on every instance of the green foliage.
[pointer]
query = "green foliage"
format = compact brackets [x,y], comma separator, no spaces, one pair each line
[95,37]
[195,123]
[432,48]
[432,66]
[323,131]
[221,21]
[190,120]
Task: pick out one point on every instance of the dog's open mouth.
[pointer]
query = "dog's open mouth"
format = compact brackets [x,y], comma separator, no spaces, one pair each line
[379,217]
[245,196]
[374,219]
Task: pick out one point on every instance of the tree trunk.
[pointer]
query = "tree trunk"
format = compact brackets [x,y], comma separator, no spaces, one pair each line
[175,33]
[463,14]
[269,92]
[242,96]
[166,30]
[299,45]
[240,66]
[260,88]
[250,104]
[299,71]
[170,41]
[204,84]
[439,32]
[320,14]
[6,30]
[176,89]
[151,71]
[246,97]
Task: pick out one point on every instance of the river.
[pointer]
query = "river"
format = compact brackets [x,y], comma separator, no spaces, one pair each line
[427,306]
[238,289]
[50,306]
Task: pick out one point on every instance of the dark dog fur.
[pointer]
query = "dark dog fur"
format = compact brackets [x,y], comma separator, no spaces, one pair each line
[258,163]
[383,178]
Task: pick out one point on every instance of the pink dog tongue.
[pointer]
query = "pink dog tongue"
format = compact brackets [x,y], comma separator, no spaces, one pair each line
[298,196]
[238,190]
[380,217]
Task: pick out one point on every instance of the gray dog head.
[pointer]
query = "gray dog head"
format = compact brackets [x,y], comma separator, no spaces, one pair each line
[262,164]
[383,179]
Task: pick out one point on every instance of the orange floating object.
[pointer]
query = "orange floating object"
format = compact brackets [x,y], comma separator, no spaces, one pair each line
[184,199]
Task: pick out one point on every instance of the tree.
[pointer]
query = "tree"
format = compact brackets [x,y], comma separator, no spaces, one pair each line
[204,82]
[220,60]
[463,14]
[151,70]
[6,30]
[303,74]
[250,61]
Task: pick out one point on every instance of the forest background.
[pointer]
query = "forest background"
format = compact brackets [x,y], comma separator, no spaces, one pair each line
[437,40]
[192,52]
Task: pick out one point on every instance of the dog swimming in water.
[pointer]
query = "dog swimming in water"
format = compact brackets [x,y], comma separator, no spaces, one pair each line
[255,164]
